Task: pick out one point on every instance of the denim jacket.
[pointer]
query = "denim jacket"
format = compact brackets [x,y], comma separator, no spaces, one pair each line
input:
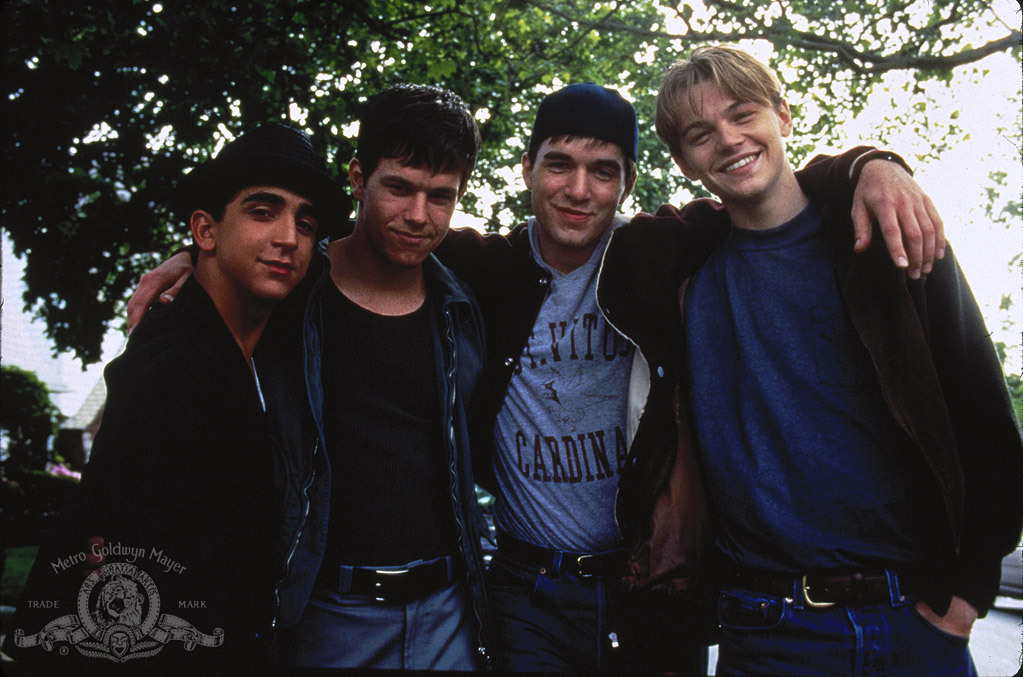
[290,362]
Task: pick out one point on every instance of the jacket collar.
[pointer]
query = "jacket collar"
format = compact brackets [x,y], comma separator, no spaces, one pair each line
[532,236]
[443,282]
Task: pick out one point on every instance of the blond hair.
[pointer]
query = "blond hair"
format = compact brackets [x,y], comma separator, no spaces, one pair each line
[735,71]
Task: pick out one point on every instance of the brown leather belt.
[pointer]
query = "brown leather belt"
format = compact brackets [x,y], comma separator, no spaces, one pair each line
[821,590]
[581,565]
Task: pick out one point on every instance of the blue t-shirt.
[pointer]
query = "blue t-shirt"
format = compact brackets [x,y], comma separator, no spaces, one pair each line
[806,467]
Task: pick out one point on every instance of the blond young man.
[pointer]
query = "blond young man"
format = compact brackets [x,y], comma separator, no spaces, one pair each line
[861,459]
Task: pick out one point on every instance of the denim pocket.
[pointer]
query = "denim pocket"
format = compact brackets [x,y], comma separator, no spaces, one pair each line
[742,610]
[931,627]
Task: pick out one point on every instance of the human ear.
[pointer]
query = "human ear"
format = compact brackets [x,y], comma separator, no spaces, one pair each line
[785,116]
[527,171]
[357,180]
[201,222]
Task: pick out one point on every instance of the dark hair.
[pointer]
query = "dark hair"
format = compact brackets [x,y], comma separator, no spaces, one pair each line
[418,125]
[216,200]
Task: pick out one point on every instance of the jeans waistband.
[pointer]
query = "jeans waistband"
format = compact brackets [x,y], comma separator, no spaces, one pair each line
[826,589]
[581,565]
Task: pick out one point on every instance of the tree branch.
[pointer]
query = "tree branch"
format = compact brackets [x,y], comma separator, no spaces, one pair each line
[859,61]
[874,63]
[522,83]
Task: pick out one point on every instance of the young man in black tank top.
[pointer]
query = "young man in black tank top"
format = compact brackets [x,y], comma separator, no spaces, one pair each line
[390,575]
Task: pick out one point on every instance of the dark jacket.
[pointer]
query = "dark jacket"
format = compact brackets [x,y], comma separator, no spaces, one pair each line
[178,482]
[290,358]
[934,360]
[510,287]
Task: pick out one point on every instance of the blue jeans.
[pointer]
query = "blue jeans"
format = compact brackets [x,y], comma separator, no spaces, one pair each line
[768,635]
[542,621]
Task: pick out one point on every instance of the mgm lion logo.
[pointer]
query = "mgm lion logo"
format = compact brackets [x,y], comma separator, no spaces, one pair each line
[118,619]
[120,602]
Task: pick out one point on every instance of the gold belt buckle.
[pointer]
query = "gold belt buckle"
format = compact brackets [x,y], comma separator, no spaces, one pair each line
[806,596]
[579,566]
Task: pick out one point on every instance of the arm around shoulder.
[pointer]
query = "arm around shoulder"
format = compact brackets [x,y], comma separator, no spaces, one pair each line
[877,186]
[164,282]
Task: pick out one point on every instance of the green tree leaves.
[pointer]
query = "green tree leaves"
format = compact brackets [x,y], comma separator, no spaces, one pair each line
[107,104]
[28,416]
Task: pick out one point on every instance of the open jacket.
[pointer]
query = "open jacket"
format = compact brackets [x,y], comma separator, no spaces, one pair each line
[934,360]
[177,485]
[511,286]
[289,362]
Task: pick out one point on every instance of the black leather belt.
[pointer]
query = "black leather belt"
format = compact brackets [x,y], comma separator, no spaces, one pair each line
[578,564]
[397,585]
[823,590]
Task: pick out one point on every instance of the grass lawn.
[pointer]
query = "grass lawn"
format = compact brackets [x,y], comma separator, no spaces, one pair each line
[17,562]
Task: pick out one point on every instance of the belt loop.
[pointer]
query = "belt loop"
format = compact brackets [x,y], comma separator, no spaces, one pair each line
[344,580]
[898,599]
[556,566]
[798,601]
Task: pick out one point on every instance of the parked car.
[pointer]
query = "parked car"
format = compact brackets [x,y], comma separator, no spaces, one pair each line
[1010,591]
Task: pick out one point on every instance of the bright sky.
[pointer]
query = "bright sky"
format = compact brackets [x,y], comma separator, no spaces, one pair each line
[957,185]
[24,343]
[958,182]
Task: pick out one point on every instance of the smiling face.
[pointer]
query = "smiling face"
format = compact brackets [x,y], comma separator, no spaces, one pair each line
[260,248]
[404,211]
[736,148]
[577,185]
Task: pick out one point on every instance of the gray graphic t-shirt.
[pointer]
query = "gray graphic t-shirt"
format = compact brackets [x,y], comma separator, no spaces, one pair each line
[560,434]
